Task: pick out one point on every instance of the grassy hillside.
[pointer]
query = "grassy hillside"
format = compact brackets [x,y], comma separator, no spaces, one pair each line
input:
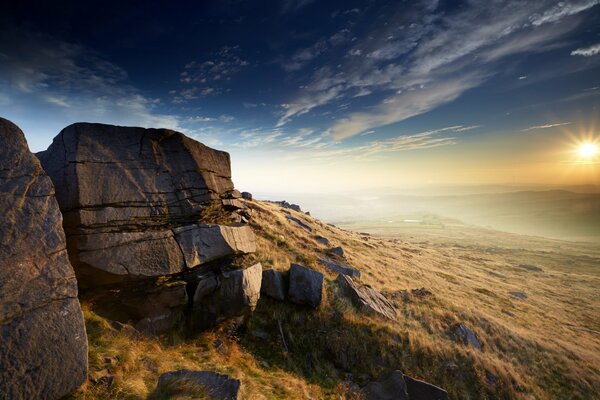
[545,346]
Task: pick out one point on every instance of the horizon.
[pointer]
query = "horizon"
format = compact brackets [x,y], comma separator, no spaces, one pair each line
[332,97]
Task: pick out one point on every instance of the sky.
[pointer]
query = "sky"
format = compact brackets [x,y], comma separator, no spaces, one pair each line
[322,96]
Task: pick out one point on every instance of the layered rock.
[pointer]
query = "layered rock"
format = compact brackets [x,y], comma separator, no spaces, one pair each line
[134,201]
[229,294]
[367,299]
[43,350]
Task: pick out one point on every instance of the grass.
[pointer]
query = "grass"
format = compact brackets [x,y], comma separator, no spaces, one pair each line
[544,347]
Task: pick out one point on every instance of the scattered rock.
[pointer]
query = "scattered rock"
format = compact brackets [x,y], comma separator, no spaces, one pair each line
[461,333]
[391,387]
[531,267]
[123,191]
[339,267]
[247,195]
[230,294]
[367,299]
[306,286]
[397,386]
[519,295]
[197,384]
[338,251]
[420,390]
[43,343]
[300,223]
[323,240]
[285,204]
[273,284]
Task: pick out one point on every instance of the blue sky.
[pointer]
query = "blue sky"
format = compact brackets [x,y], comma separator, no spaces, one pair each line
[320,95]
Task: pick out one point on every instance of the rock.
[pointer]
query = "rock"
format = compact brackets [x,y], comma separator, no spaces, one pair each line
[227,295]
[232,194]
[392,387]
[124,191]
[299,223]
[530,267]
[197,384]
[306,286]
[323,240]
[519,295]
[397,386]
[366,299]
[338,251]
[339,267]
[43,343]
[466,336]
[203,243]
[273,284]
[420,390]
[159,324]
[420,293]
[233,204]
[247,195]
[153,300]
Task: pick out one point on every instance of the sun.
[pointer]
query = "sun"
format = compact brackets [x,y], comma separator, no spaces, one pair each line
[588,150]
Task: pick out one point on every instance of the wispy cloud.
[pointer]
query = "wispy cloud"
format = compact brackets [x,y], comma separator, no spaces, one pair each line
[415,67]
[545,126]
[209,76]
[587,51]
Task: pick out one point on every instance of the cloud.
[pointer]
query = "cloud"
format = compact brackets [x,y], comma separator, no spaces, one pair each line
[545,126]
[426,58]
[587,51]
[404,105]
[207,77]
[561,10]
[70,83]
[221,118]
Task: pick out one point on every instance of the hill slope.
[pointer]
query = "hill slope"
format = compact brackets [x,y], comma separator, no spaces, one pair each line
[544,346]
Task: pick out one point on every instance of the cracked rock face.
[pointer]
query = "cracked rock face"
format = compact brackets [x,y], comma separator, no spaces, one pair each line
[133,199]
[43,350]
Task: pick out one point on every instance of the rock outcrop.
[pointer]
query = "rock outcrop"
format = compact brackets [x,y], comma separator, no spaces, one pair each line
[306,286]
[43,343]
[198,385]
[367,299]
[134,201]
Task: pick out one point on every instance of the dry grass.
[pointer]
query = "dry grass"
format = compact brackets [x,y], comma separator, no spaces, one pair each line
[546,346]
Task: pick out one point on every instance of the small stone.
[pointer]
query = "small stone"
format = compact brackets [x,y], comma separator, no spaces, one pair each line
[338,251]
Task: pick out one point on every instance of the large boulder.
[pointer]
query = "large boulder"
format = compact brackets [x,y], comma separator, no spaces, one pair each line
[133,201]
[43,343]
[196,384]
[306,286]
[367,299]
[229,294]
